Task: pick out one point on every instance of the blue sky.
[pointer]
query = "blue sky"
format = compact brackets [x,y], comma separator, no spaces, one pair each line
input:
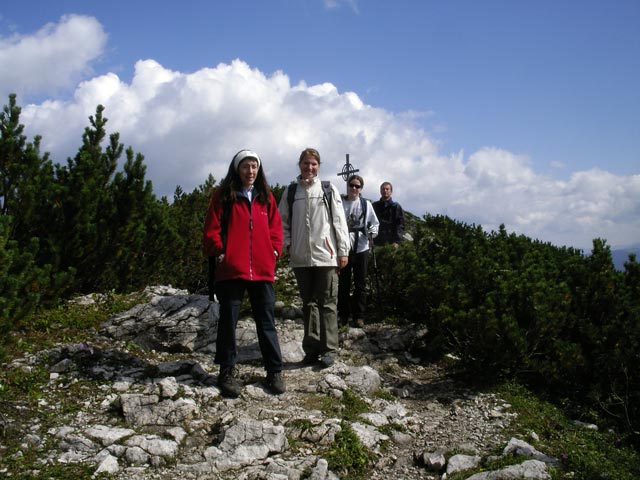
[516,112]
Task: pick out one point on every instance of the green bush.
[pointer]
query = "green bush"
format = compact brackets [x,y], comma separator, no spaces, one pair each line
[23,283]
[512,307]
[506,305]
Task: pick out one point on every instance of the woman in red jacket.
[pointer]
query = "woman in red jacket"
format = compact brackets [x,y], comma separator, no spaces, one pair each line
[243,232]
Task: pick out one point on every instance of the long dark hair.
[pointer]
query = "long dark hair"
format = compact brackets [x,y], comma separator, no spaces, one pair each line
[231,184]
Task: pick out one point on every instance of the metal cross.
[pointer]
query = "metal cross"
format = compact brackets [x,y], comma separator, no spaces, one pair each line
[347,171]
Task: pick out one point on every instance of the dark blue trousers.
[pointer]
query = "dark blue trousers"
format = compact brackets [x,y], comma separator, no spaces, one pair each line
[262,298]
[356,305]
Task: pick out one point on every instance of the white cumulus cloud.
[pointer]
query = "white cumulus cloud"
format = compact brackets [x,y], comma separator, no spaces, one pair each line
[55,57]
[191,124]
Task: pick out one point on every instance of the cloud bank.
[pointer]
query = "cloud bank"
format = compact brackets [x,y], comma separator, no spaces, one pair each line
[53,58]
[190,124]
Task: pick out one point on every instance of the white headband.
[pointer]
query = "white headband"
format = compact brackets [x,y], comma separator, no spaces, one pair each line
[241,155]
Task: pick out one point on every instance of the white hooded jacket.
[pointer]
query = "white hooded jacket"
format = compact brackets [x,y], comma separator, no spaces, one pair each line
[308,234]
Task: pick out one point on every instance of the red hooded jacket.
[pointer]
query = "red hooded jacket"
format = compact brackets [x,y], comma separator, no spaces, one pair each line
[254,238]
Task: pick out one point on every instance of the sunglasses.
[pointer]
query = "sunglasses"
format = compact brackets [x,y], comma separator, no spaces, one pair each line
[353,185]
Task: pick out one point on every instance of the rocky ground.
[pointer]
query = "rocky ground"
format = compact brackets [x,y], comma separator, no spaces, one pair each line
[139,400]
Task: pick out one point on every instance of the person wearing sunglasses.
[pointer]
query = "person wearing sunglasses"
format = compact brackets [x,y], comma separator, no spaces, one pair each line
[363,227]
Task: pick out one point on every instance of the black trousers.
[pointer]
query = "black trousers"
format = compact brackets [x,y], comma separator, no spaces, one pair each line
[262,298]
[356,269]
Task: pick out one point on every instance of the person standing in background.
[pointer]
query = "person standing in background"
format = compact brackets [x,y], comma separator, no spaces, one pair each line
[363,226]
[391,217]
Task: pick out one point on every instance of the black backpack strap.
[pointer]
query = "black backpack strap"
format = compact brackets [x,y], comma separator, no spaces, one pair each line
[363,220]
[327,196]
[291,195]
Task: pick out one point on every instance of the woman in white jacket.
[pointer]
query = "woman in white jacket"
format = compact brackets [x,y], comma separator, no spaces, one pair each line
[317,240]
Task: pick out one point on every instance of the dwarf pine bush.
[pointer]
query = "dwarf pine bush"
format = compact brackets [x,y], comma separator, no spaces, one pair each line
[509,306]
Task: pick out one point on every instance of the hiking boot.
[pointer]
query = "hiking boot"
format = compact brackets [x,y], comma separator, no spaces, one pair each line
[359,322]
[275,383]
[310,358]
[228,382]
[327,359]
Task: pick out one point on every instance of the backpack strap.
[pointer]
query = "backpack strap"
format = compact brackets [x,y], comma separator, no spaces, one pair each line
[327,195]
[291,195]
[363,219]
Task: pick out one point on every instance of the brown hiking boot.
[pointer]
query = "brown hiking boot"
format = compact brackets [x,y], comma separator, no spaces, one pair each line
[229,383]
[275,383]
[311,359]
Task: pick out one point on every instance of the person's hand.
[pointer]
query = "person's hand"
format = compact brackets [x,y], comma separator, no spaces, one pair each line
[342,262]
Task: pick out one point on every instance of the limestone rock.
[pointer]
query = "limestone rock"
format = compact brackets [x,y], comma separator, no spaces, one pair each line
[177,425]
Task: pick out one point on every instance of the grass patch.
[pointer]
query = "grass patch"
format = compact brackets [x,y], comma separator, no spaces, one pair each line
[300,425]
[60,471]
[67,322]
[583,453]
[354,405]
[18,384]
[26,399]
[348,407]
[390,428]
[385,395]
[347,457]
[26,396]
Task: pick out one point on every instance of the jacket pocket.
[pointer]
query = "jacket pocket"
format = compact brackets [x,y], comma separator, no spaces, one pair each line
[327,243]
